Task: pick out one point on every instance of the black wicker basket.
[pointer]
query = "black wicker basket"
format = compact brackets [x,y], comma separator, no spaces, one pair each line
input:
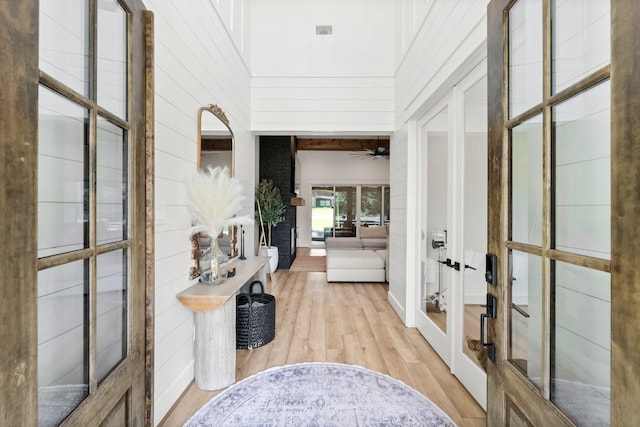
[255,318]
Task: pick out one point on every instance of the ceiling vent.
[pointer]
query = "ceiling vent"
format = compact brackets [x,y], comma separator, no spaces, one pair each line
[324,30]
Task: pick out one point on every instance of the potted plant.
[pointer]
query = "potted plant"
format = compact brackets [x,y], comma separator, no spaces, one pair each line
[270,213]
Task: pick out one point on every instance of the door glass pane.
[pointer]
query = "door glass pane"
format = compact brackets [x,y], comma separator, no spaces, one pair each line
[63,340]
[581,39]
[111,335]
[64,42]
[370,206]
[582,172]
[475,218]
[525,56]
[581,344]
[436,273]
[112,57]
[345,212]
[321,213]
[526,182]
[111,185]
[526,315]
[63,184]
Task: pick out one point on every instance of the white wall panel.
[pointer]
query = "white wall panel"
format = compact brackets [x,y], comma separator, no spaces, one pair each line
[285,42]
[358,105]
[398,225]
[449,43]
[305,82]
[199,60]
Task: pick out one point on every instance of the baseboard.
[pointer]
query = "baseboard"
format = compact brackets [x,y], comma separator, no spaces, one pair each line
[397,307]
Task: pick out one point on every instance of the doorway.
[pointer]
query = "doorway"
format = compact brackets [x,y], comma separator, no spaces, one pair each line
[453,146]
[338,210]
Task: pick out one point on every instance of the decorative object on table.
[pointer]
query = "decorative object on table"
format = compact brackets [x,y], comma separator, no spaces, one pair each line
[214,261]
[242,244]
[320,394]
[270,213]
[255,318]
[215,200]
[196,254]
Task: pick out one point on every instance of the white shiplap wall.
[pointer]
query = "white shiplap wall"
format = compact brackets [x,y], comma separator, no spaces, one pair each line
[305,82]
[437,43]
[398,226]
[196,63]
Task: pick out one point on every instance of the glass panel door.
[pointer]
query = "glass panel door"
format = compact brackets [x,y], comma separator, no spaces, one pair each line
[435,277]
[345,213]
[371,206]
[470,231]
[558,216]
[83,203]
[474,226]
[322,203]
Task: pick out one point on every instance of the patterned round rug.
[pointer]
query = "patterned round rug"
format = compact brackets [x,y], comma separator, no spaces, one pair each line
[319,394]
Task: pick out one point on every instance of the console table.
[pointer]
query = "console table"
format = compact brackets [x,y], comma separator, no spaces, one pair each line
[214,307]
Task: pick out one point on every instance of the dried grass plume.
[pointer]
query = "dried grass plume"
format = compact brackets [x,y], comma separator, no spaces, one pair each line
[216,200]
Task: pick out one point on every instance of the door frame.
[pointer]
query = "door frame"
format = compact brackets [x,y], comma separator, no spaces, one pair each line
[625,227]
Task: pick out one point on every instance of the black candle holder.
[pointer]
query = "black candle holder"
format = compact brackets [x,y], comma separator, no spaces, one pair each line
[242,243]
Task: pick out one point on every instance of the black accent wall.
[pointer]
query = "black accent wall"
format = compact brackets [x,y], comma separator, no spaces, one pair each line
[277,163]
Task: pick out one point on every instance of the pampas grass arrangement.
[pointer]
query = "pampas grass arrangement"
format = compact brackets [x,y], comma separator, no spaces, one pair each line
[216,200]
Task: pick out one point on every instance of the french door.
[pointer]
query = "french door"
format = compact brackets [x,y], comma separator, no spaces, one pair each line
[453,147]
[75,309]
[563,212]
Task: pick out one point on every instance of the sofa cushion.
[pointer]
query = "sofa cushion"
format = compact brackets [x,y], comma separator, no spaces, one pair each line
[373,232]
[374,243]
[348,259]
[343,243]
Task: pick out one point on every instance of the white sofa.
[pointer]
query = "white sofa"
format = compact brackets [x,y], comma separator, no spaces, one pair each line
[373,238]
[358,259]
[348,265]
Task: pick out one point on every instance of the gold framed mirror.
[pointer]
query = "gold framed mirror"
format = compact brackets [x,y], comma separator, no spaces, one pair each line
[216,149]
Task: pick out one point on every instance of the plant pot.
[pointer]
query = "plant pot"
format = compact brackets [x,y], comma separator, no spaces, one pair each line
[271,251]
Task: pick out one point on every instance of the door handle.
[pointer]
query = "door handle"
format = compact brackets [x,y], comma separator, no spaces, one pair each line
[450,263]
[491,312]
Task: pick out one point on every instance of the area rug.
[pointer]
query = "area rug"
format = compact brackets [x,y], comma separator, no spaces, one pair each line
[319,394]
[309,263]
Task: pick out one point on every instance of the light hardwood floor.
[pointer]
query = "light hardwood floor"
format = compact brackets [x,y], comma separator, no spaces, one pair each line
[349,323]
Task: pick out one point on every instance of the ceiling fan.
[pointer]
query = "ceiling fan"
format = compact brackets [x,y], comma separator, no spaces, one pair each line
[378,153]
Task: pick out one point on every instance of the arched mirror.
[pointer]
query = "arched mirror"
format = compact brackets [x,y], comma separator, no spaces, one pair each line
[215,138]
[215,149]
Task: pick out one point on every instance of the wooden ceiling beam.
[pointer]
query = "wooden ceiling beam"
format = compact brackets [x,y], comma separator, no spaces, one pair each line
[341,144]
[216,144]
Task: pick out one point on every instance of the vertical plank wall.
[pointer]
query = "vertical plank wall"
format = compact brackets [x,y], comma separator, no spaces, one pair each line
[196,64]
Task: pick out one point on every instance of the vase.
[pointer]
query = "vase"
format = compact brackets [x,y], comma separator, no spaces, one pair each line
[272,253]
[214,264]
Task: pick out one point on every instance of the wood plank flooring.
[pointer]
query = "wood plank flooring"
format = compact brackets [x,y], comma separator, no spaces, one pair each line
[349,323]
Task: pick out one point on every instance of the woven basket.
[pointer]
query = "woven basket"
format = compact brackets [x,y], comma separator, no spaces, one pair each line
[255,318]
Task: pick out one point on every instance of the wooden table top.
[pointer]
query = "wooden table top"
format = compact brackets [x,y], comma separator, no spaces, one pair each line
[203,297]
